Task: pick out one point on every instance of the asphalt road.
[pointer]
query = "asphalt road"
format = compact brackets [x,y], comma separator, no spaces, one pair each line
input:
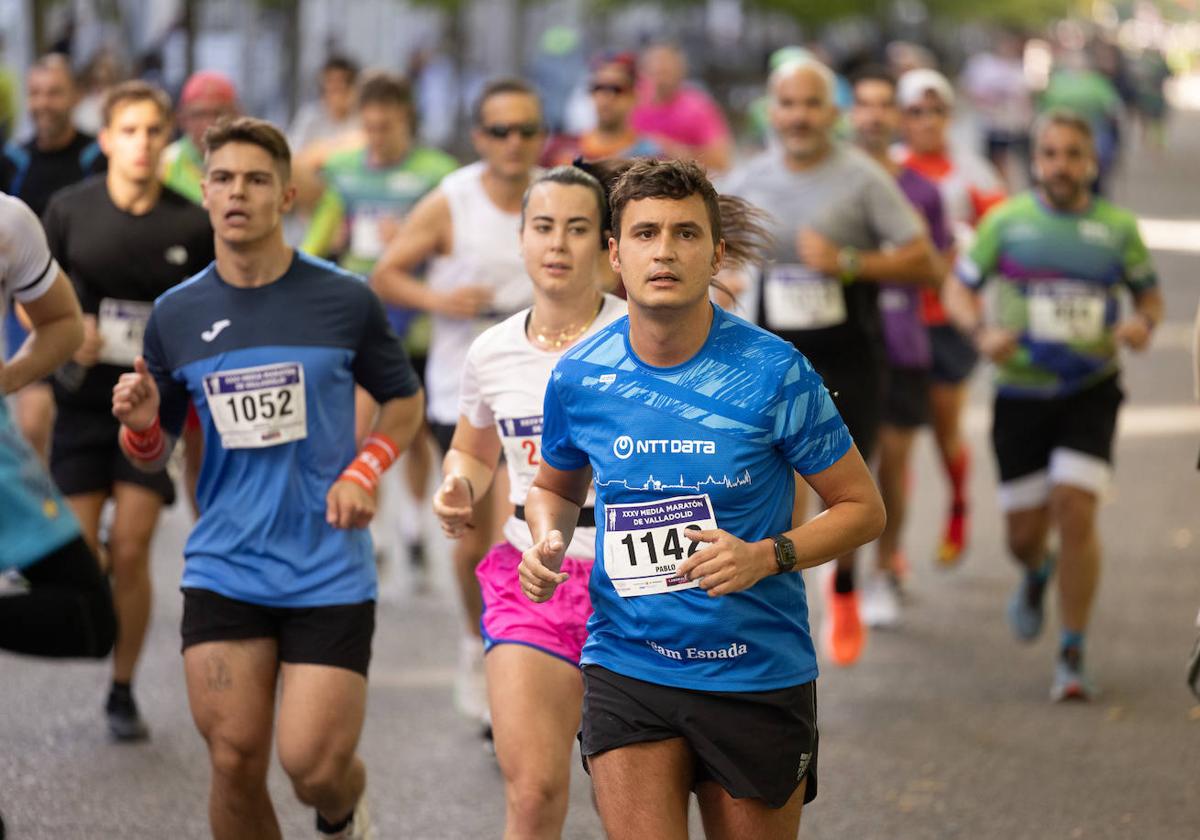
[942,731]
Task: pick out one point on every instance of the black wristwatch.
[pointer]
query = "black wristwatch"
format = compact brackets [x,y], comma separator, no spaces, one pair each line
[785,554]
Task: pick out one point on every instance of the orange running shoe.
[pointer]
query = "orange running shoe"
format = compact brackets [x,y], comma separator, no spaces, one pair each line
[954,540]
[843,635]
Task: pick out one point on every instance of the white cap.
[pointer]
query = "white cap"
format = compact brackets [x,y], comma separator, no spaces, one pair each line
[916,83]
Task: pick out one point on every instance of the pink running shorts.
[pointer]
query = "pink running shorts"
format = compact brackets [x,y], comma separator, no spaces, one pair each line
[557,627]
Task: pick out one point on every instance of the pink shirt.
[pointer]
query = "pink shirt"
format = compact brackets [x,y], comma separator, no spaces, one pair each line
[691,118]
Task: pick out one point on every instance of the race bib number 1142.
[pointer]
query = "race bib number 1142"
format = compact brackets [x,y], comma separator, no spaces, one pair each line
[645,543]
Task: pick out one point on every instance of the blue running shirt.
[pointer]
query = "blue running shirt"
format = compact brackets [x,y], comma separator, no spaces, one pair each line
[713,440]
[271,372]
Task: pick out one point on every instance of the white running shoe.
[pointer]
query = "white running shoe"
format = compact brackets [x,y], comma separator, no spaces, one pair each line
[470,683]
[360,827]
[880,603]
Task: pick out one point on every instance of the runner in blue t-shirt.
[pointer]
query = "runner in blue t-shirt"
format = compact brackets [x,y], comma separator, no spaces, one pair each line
[692,422]
[279,578]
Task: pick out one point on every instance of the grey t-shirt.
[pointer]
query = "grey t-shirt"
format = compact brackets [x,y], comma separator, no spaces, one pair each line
[851,200]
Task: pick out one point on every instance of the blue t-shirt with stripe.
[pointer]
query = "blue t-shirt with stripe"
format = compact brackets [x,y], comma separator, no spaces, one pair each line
[720,433]
[234,352]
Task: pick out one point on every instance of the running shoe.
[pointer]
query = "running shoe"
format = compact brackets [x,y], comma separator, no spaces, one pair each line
[124,721]
[359,827]
[842,632]
[1026,607]
[1193,671]
[1070,681]
[470,683]
[954,540]
[880,601]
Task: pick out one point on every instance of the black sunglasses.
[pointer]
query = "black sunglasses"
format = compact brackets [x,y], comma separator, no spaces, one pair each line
[615,90]
[500,131]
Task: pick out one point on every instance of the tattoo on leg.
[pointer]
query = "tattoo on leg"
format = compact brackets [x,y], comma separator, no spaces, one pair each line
[217,674]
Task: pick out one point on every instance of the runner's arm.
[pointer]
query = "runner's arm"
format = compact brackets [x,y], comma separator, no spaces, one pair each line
[425,233]
[474,454]
[555,499]
[57,331]
[400,419]
[326,221]
[916,262]
[854,514]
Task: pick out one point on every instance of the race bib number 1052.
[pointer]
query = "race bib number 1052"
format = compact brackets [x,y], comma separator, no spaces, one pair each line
[645,543]
[259,406]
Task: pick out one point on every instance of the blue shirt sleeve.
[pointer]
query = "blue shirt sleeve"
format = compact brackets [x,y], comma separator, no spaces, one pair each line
[558,449]
[809,432]
[172,393]
[380,363]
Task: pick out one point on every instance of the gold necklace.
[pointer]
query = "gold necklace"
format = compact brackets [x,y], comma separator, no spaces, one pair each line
[565,336]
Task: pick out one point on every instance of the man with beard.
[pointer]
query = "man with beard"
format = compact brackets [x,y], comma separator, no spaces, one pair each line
[1059,256]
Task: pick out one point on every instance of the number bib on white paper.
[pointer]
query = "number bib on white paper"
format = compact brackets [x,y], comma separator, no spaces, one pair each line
[258,406]
[121,325]
[366,242]
[1064,311]
[521,438]
[797,298]
[644,543]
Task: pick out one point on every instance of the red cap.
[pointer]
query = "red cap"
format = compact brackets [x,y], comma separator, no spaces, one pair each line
[208,84]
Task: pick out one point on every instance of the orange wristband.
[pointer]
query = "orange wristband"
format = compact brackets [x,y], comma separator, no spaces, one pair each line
[147,445]
[378,453]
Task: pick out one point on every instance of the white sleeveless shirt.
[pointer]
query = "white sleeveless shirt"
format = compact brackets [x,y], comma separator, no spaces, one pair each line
[485,251]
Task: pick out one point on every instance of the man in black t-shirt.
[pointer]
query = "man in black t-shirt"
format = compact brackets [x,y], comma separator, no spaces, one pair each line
[124,239]
[55,157]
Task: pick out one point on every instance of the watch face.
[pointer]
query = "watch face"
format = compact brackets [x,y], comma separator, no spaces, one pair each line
[785,553]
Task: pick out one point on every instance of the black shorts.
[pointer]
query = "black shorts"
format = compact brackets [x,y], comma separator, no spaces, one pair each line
[857,386]
[954,356]
[338,635]
[906,400]
[86,458]
[1027,432]
[419,363]
[759,744]
[443,433]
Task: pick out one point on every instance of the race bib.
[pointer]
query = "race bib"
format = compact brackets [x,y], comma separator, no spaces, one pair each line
[121,325]
[644,543]
[1063,311]
[797,298]
[259,406]
[366,242]
[521,438]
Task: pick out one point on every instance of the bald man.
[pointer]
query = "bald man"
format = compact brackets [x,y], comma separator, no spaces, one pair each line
[842,227]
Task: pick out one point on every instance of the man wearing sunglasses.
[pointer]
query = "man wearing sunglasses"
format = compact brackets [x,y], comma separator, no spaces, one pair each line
[970,186]
[466,230]
[612,83]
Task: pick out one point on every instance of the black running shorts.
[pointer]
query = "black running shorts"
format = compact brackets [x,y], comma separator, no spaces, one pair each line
[759,744]
[857,385]
[906,401]
[1026,431]
[338,635]
[954,356]
[85,457]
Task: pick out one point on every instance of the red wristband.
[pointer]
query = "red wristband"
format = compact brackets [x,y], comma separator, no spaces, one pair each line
[378,453]
[146,445]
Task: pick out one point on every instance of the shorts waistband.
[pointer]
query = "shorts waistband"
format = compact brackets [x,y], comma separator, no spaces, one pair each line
[587,516]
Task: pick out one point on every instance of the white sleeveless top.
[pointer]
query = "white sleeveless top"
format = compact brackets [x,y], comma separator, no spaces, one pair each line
[485,251]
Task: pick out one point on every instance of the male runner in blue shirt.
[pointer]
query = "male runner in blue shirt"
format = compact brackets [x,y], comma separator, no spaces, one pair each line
[699,666]
[268,345]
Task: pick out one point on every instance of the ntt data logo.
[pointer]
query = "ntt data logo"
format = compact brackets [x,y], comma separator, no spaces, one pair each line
[625,447]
